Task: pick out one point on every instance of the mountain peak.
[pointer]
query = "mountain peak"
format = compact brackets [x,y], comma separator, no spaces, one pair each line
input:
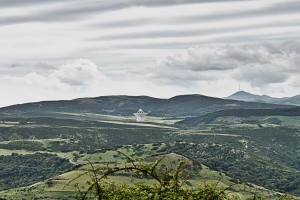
[241,92]
[246,96]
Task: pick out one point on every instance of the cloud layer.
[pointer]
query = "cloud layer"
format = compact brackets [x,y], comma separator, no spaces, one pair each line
[158,47]
[258,64]
[78,73]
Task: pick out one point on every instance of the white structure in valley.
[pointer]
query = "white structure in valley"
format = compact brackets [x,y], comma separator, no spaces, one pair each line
[140,115]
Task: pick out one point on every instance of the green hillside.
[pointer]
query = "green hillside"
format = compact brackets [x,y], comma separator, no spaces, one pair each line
[178,106]
[193,175]
[257,147]
[245,96]
[240,113]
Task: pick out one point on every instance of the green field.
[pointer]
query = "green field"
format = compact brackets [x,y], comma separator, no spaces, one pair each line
[255,157]
[66,184]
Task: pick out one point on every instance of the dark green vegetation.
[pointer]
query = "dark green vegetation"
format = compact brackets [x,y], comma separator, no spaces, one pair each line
[242,116]
[19,170]
[252,143]
[23,145]
[178,106]
[168,184]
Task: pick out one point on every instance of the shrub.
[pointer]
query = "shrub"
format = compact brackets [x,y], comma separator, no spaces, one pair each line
[168,186]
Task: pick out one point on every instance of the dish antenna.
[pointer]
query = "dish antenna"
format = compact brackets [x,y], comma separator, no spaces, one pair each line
[140,115]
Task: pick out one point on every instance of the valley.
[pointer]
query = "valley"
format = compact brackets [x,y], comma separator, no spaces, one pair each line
[252,147]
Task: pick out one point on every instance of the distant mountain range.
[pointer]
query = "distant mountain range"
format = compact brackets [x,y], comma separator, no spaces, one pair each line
[178,106]
[245,96]
[240,113]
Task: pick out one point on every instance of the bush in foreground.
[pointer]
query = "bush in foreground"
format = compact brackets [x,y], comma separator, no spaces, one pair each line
[169,185]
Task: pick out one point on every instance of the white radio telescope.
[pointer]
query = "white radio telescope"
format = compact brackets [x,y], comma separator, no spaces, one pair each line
[140,115]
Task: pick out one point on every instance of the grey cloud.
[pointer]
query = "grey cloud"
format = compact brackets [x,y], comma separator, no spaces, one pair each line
[45,66]
[277,8]
[183,44]
[257,63]
[183,77]
[14,3]
[156,3]
[195,32]
[203,59]
[13,20]
[79,9]
[78,73]
[261,76]
[42,66]
[20,68]
[111,5]
[15,65]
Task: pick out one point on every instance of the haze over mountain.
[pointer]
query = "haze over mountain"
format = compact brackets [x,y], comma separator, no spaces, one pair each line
[245,96]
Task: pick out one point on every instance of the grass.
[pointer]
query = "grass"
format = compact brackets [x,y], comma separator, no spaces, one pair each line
[289,120]
[205,175]
[7,125]
[68,155]
[60,189]
[34,193]
[94,116]
[150,121]
[98,157]
[9,152]
[211,177]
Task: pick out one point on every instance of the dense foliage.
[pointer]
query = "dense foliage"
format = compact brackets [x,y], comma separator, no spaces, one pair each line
[168,186]
[24,145]
[184,105]
[276,166]
[258,149]
[82,138]
[20,170]
[239,164]
[157,192]
[241,113]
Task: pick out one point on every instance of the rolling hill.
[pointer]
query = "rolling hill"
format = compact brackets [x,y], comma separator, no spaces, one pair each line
[245,96]
[193,174]
[252,142]
[239,113]
[178,106]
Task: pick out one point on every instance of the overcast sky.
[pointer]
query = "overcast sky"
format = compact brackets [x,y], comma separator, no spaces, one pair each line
[64,49]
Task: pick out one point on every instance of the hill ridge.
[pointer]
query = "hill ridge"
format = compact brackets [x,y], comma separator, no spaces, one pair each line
[249,97]
[123,105]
